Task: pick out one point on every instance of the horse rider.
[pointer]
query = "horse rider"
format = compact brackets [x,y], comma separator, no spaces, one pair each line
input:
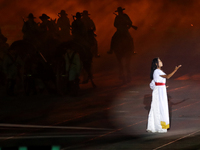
[63,24]
[48,27]
[122,44]
[123,23]
[88,22]
[79,31]
[91,28]
[30,29]
[44,26]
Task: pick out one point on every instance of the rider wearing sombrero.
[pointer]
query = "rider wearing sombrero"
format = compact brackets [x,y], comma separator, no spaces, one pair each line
[122,44]
[89,23]
[48,27]
[45,22]
[123,23]
[30,29]
[64,24]
[44,26]
[78,28]
[79,31]
[91,28]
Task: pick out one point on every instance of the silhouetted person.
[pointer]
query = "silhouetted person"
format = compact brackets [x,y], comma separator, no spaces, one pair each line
[3,48]
[63,24]
[11,66]
[30,30]
[44,29]
[123,23]
[79,31]
[90,29]
[48,28]
[73,69]
[88,22]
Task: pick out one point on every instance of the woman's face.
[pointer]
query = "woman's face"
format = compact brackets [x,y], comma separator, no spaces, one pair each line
[160,64]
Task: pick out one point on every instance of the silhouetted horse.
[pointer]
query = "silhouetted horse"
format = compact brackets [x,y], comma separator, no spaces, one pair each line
[35,67]
[93,43]
[123,47]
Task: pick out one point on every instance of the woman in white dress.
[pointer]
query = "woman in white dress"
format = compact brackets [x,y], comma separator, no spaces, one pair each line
[158,119]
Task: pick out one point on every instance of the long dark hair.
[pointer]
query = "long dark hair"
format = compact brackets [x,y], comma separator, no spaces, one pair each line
[154,66]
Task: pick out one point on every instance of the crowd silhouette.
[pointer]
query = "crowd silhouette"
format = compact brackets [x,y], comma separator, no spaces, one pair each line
[54,52]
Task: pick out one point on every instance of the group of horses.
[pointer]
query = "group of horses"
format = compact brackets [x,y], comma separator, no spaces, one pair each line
[46,62]
[48,57]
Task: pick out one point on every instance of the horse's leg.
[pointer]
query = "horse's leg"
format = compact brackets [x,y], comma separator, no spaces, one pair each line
[90,76]
[121,69]
[86,74]
[88,69]
[113,43]
[93,84]
[95,48]
[127,66]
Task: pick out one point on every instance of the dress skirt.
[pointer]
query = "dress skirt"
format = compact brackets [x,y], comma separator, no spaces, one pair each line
[158,118]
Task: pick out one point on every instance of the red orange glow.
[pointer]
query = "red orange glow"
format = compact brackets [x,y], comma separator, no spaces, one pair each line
[143,14]
[161,24]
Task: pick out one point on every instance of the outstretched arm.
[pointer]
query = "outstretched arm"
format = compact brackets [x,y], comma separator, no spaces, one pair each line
[171,74]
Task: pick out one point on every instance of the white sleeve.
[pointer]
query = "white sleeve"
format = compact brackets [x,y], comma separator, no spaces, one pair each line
[152,84]
[156,75]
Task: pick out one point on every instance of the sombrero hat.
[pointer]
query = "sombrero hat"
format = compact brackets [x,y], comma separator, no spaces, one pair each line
[30,16]
[62,12]
[44,16]
[120,9]
[85,12]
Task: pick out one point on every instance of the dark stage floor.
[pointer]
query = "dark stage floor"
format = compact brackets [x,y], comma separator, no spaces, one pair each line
[111,117]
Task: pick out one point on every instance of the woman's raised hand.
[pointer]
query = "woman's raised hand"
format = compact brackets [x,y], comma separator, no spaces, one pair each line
[177,67]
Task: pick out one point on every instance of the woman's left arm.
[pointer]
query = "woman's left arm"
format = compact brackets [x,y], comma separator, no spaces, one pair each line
[171,74]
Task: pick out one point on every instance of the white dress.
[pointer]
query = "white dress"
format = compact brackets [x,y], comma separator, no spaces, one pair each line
[158,119]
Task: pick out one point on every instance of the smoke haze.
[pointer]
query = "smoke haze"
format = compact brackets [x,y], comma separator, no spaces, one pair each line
[166,28]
